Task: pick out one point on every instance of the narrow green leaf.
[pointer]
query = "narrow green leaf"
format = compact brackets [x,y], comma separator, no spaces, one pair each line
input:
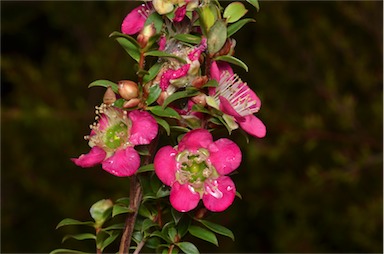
[123,201]
[188,247]
[154,93]
[66,251]
[146,168]
[164,124]
[217,36]
[106,84]
[199,108]
[179,95]
[85,236]
[218,228]
[118,226]
[162,192]
[119,103]
[211,83]
[147,224]
[234,11]
[68,221]
[109,240]
[238,195]
[167,112]
[180,129]
[172,233]
[119,209]
[237,26]
[161,235]
[255,3]
[232,60]
[159,53]
[130,48]
[157,21]
[116,34]
[176,215]
[189,38]
[204,234]
[152,72]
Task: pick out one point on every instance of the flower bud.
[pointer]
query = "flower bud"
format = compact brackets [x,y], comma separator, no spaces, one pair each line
[199,99]
[162,6]
[109,96]
[201,213]
[128,89]
[147,32]
[162,97]
[131,103]
[198,82]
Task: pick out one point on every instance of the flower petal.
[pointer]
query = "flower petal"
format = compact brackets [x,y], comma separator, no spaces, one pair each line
[144,127]
[183,197]
[253,126]
[95,156]
[219,194]
[195,139]
[180,13]
[134,21]
[225,156]
[124,162]
[227,108]
[171,74]
[218,67]
[165,164]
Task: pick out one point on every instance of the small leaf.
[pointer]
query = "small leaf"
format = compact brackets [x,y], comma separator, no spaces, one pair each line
[217,36]
[207,17]
[232,60]
[211,83]
[68,222]
[179,95]
[101,211]
[218,228]
[162,192]
[123,201]
[238,195]
[118,226]
[147,224]
[85,236]
[234,11]
[106,84]
[116,34]
[109,240]
[164,124]
[159,53]
[237,26]
[180,129]
[154,92]
[130,48]
[172,233]
[118,209]
[157,21]
[66,251]
[255,3]
[199,108]
[119,103]
[176,215]
[146,168]
[167,112]
[161,235]
[189,38]
[188,247]
[204,234]
[152,72]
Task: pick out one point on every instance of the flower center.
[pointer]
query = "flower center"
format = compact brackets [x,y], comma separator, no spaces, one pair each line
[116,135]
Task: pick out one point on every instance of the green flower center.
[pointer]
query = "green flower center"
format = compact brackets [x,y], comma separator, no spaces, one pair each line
[116,135]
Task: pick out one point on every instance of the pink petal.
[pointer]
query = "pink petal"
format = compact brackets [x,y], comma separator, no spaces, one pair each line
[180,13]
[227,108]
[173,74]
[225,156]
[162,42]
[219,67]
[219,194]
[253,126]
[144,127]
[195,139]
[95,156]
[183,198]
[165,164]
[124,162]
[134,21]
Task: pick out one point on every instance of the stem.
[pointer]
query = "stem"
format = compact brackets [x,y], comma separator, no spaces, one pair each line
[139,247]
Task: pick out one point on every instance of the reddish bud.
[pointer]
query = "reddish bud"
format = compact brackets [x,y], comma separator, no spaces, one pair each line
[109,96]
[131,103]
[128,89]
[200,99]
[199,81]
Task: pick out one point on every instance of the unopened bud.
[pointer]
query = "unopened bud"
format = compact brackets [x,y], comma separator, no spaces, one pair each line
[200,99]
[162,97]
[128,89]
[201,213]
[145,34]
[109,96]
[198,82]
[131,103]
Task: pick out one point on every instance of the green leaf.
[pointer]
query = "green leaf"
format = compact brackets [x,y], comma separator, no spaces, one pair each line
[119,103]
[68,222]
[204,234]
[180,129]
[211,83]
[188,247]
[167,112]
[217,36]
[172,233]
[101,211]
[146,168]
[207,18]
[199,108]
[218,228]
[130,48]
[85,236]
[118,226]
[237,26]
[179,95]
[255,3]
[161,235]
[123,201]
[154,92]
[176,215]
[152,72]
[109,240]
[162,192]
[164,124]
[189,38]
[234,11]
[66,251]
[159,53]
[119,209]
[238,195]
[116,35]
[147,224]
[106,84]
[232,60]
[157,21]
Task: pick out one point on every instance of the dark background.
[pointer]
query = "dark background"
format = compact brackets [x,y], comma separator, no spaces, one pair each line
[313,184]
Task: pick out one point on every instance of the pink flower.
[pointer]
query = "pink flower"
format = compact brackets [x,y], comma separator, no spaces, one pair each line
[197,168]
[236,99]
[113,138]
[135,20]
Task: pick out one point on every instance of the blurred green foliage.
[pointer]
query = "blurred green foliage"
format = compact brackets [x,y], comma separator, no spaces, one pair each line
[314,184]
